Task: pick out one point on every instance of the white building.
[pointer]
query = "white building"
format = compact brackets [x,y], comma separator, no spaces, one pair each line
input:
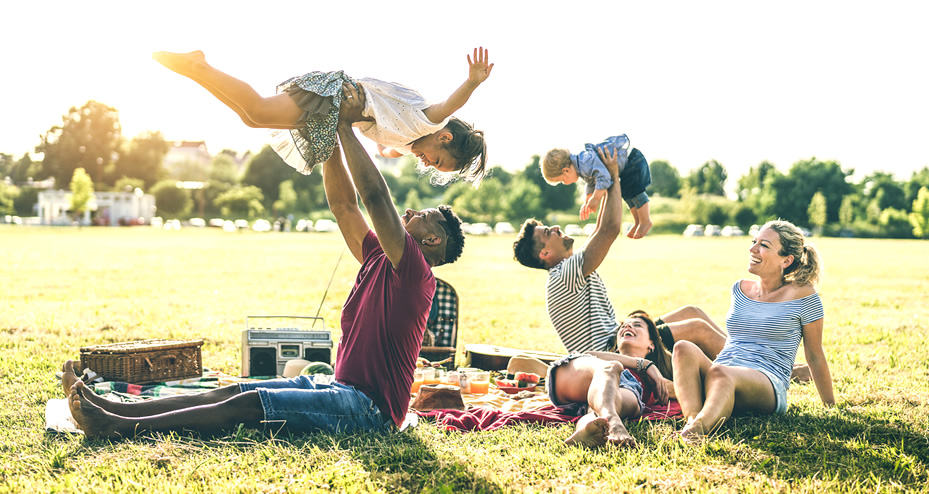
[105,208]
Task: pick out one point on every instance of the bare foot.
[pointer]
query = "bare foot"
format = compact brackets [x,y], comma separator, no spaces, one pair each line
[593,435]
[618,434]
[182,63]
[68,377]
[93,420]
[693,432]
[801,373]
[642,229]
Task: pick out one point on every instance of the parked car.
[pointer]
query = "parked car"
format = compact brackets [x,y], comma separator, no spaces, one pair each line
[304,226]
[573,230]
[480,229]
[216,222]
[753,230]
[229,226]
[325,225]
[157,222]
[242,224]
[197,222]
[589,229]
[261,226]
[732,231]
[504,228]
[712,231]
[693,231]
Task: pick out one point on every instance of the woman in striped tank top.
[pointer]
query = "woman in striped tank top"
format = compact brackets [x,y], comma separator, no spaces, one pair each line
[766,321]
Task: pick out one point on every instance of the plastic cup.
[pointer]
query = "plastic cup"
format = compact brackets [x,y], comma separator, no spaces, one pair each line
[480,382]
[417,380]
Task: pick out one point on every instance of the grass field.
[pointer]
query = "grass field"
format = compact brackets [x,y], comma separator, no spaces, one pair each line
[65,288]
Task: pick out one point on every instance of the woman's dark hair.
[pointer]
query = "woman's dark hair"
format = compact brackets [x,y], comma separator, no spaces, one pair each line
[469,148]
[658,354]
[454,242]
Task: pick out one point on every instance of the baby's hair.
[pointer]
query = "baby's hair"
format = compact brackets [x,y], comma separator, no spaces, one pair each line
[554,163]
[469,148]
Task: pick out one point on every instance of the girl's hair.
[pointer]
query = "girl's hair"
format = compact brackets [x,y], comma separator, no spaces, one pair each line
[469,148]
[554,162]
[806,267]
[659,354]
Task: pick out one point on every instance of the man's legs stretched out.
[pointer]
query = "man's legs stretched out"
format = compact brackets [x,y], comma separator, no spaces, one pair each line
[275,112]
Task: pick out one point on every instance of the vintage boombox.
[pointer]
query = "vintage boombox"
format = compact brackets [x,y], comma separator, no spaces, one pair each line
[269,342]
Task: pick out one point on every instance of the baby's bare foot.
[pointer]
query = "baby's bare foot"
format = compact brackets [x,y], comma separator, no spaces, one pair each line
[592,435]
[182,63]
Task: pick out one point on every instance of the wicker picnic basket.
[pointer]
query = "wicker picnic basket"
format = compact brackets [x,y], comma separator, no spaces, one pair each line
[145,361]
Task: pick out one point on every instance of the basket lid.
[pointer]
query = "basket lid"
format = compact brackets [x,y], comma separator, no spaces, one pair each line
[141,345]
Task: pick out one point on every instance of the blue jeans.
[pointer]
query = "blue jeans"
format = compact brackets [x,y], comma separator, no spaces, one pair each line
[634,179]
[300,403]
[780,391]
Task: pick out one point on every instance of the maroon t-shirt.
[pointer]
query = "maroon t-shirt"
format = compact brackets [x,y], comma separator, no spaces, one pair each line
[383,322]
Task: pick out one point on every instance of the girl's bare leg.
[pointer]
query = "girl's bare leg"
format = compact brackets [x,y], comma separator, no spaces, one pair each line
[690,368]
[607,400]
[592,432]
[275,112]
[729,389]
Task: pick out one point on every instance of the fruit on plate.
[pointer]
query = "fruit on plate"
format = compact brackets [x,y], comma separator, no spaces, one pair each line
[506,383]
[526,379]
[317,368]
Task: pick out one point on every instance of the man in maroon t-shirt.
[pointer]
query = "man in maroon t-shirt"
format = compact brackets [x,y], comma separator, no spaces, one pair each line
[383,322]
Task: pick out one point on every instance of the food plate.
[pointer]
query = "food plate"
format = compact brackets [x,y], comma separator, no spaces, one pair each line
[512,390]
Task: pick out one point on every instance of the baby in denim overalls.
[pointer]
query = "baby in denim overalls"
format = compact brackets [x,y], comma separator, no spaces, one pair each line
[561,167]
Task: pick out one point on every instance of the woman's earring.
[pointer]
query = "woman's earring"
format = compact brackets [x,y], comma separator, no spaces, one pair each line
[424,241]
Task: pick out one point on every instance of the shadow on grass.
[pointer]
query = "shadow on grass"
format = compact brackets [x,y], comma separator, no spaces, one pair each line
[839,443]
[395,462]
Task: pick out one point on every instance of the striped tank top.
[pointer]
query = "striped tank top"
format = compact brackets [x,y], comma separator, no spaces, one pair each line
[765,335]
[579,307]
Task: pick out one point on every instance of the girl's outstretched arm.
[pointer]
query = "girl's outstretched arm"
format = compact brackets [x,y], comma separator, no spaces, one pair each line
[478,72]
[816,358]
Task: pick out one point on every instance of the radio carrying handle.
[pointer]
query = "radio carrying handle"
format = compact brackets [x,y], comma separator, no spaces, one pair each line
[248,319]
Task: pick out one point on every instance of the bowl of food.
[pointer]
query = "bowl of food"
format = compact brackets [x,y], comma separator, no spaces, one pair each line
[522,381]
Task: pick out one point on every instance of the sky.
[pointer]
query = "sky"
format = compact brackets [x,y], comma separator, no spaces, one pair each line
[688,82]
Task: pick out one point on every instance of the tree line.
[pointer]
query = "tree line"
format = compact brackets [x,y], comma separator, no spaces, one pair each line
[813,193]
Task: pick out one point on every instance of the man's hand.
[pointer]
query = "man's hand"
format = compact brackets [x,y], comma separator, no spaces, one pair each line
[479,69]
[353,104]
[610,161]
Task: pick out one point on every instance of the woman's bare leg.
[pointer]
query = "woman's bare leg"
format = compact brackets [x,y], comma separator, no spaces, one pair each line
[690,367]
[97,422]
[147,407]
[729,389]
[275,112]
[613,403]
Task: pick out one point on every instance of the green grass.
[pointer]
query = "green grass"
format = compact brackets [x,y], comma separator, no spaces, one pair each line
[66,288]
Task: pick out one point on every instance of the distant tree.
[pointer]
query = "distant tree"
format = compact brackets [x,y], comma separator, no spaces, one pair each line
[524,200]
[752,182]
[170,200]
[911,188]
[287,198]
[127,184]
[895,224]
[666,180]
[817,212]
[24,169]
[6,165]
[82,192]
[888,192]
[710,178]
[847,211]
[223,169]
[554,198]
[143,157]
[412,201]
[487,203]
[790,195]
[8,195]
[89,138]
[241,201]
[919,217]
[266,170]
[743,216]
[500,174]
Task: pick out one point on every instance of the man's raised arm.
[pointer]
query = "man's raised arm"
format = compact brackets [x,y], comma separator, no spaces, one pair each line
[369,182]
[609,220]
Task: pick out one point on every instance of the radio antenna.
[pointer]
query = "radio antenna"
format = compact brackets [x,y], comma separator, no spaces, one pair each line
[327,286]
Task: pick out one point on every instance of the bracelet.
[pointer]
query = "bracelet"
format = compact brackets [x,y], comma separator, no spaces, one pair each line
[638,364]
[649,365]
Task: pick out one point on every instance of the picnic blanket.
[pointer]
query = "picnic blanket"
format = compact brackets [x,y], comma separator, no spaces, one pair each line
[497,409]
